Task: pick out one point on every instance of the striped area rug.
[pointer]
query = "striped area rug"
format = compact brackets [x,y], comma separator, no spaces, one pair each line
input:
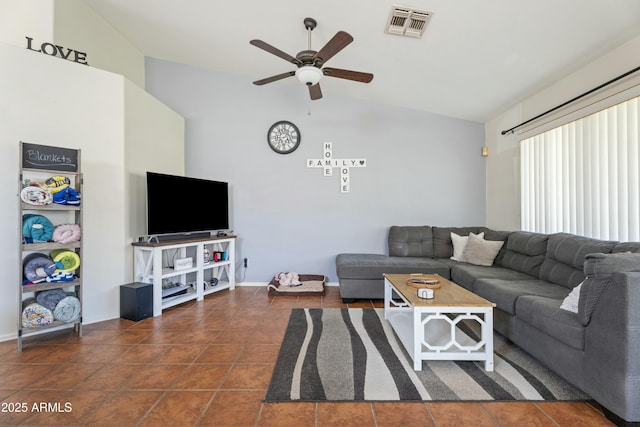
[354,355]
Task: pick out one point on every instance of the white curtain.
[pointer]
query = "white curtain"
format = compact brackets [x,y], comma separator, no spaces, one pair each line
[584,177]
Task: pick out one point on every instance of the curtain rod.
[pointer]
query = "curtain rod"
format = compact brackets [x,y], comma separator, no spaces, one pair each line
[504,132]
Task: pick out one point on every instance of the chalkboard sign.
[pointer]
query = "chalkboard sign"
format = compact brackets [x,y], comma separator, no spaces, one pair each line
[36,156]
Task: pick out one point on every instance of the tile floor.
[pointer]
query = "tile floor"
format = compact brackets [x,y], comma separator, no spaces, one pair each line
[208,364]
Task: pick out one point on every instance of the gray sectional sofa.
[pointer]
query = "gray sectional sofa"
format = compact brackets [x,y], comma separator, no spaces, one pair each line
[597,349]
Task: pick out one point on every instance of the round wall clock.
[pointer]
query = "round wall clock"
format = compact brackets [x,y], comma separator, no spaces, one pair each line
[283,137]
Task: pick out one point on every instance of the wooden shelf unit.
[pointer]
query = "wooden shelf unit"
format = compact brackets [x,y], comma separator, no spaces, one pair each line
[57,214]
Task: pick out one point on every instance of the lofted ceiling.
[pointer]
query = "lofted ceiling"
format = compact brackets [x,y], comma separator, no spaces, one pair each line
[475,59]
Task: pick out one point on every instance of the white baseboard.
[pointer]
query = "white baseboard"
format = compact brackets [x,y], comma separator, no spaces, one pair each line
[8,337]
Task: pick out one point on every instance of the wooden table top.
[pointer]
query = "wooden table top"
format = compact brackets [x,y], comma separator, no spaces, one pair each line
[449,294]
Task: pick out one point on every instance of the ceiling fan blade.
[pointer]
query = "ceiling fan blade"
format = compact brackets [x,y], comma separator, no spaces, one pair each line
[274,78]
[348,74]
[315,92]
[333,46]
[275,51]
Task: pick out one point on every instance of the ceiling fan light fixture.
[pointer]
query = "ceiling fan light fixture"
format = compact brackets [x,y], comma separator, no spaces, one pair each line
[309,75]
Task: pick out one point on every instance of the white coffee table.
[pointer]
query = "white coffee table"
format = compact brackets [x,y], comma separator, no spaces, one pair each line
[427,327]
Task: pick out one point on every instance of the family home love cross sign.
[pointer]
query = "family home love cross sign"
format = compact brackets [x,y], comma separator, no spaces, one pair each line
[327,163]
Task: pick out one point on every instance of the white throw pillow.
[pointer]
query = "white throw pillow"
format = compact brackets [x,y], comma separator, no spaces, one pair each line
[570,303]
[459,243]
[481,252]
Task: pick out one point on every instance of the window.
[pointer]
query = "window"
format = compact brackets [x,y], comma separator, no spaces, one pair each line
[584,177]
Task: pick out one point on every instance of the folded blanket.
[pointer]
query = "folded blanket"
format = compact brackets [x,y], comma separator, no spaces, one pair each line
[67,310]
[66,260]
[67,196]
[57,183]
[288,279]
[37,266]
[36,228]
[37,196]
[35,315]
[50,298]
[60,277]
[67,233]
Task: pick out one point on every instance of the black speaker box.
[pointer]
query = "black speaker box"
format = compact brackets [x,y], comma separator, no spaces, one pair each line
[136,301]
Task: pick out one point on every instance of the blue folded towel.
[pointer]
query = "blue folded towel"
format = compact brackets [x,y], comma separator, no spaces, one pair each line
[67,196]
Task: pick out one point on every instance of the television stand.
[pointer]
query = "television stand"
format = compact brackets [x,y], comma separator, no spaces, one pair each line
[153,263]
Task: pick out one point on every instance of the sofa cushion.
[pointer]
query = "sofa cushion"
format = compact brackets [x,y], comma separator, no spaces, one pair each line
[525,252]
[505,293]
[479,251]
[563,263]
[416,241]
[501,236]
[465,274]
[373,266]
[442,245]
[459,243]
[600,269]
[546,315]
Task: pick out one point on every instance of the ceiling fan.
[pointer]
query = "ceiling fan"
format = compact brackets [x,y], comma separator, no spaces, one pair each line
[310,62]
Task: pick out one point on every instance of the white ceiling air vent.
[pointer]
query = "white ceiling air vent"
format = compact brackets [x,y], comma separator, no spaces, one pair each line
[409,22]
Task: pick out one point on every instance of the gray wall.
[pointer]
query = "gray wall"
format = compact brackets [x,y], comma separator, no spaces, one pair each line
[421,168]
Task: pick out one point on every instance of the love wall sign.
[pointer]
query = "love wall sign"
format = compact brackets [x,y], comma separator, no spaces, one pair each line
[327,163]
[59,51]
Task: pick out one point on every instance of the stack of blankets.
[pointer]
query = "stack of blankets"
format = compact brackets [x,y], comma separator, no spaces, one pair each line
[56,189]
[50,305]
[38,229]
[58,266]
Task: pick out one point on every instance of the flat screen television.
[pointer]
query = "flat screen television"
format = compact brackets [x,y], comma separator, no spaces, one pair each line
[178,204]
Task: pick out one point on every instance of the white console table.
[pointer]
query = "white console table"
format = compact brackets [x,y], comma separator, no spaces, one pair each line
[154,263]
